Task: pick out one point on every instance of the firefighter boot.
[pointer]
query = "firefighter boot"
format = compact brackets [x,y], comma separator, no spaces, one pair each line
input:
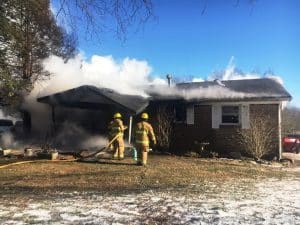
[139,158]
[115,156]
[121,152]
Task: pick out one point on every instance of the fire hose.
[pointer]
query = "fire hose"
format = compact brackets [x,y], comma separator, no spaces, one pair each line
[35,161]
[68,160]
[106,147]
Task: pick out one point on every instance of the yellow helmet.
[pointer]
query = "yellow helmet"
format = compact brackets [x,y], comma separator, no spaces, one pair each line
[145,116]
[117,115]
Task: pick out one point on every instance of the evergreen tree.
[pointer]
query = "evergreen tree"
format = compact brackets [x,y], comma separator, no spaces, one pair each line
[28,35]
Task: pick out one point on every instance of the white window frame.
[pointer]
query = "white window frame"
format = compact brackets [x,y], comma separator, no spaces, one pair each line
[244,120]
[244,106]
[239,115]
[190,115]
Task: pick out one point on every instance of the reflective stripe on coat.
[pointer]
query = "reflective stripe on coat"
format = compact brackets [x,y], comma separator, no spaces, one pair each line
[143,132]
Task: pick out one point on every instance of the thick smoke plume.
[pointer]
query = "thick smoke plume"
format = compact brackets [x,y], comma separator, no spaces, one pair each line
[233,73]
[127,76]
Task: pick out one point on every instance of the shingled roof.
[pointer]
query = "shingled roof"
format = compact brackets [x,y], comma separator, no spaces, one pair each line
[90,97]
[228,90]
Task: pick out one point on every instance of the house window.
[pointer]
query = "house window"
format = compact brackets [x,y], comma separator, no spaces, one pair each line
[180,113]
[230,115]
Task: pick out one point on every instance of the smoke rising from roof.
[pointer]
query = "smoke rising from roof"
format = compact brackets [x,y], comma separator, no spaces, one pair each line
[126,76]
[132,76]
[213,92]
[233,73]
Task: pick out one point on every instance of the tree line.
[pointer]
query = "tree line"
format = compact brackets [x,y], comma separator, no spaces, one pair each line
[291,121]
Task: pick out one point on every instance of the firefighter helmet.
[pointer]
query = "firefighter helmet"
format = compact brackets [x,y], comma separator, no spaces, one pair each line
[145,116]
[117,115]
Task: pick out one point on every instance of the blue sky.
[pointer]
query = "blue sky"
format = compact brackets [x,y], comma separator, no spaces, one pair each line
[186,43]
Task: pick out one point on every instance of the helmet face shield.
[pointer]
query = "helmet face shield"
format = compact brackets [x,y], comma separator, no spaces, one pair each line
[145,116]
[117,115]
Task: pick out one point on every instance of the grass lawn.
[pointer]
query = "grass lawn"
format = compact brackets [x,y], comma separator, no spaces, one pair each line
[110,176]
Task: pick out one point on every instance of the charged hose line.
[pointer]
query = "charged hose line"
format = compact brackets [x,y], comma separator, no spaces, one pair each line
[69,160]
[35,161]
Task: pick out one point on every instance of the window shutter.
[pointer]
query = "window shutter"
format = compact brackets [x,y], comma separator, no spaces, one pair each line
[216,116]
[190,114]
[245,117]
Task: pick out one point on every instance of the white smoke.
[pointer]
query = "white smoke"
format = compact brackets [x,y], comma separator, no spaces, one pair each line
[278,79]
[197,79]
[126,77]
[73,136]
[4,115]
[7,140]
[213,92]
[231,72]
[129,76]
[219,90]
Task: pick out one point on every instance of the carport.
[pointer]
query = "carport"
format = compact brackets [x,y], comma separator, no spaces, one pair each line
[93,98]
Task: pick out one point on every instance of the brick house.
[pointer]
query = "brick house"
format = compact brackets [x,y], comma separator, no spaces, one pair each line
[217,118]
[210,111]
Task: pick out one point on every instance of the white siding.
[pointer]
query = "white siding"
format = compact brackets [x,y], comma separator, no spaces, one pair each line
[279,129]
[216,116]
[190,114]
[245,120]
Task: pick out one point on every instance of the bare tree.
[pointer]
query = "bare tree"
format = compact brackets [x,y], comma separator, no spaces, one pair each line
[99,16]
[258,141]
[164,124]
[290,121]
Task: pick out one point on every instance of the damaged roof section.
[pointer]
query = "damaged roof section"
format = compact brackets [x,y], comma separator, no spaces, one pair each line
[91,97]
[264,89]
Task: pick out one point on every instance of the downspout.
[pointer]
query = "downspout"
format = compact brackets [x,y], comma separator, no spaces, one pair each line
[279,130]
[130,130]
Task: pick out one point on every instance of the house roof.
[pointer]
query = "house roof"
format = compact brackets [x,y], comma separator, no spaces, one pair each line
[91,97]
[228,90]
[231,90]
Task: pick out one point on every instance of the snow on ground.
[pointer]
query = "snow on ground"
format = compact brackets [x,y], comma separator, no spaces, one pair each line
[272,201]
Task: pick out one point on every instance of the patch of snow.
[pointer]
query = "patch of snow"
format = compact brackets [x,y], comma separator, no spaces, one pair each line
[271,201]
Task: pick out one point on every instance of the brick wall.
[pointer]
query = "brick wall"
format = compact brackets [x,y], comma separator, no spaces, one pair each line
[224,139]
[187,137]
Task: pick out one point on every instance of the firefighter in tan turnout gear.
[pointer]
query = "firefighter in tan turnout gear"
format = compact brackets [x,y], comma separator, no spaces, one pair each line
[116,127]
[143,134]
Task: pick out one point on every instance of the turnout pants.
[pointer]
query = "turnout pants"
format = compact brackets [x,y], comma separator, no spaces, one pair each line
[118,146]
[142,151]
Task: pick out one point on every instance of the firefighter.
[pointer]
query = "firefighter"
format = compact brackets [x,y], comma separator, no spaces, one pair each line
[116,127]
[143,134]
